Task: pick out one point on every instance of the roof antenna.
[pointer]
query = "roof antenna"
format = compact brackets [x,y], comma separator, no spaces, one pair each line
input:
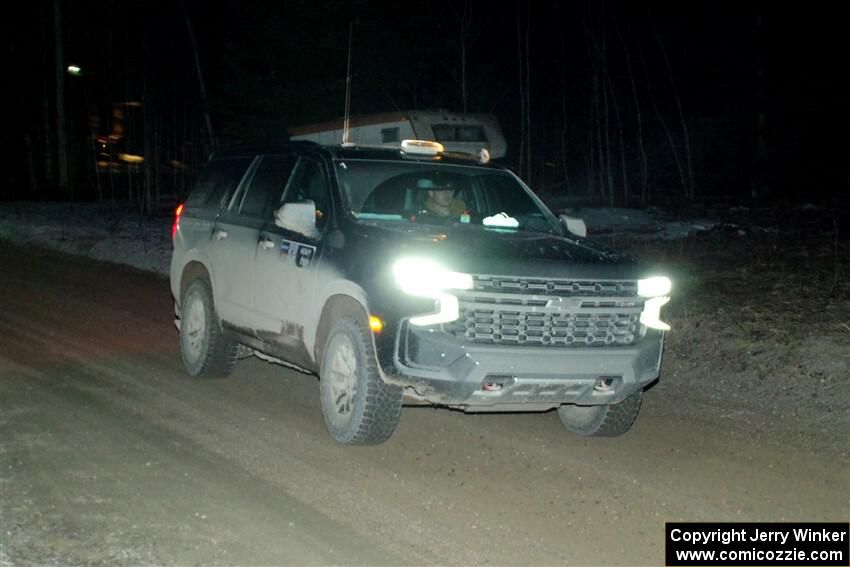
[345,129]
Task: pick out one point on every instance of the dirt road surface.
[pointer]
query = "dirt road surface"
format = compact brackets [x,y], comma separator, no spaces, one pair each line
[110,455]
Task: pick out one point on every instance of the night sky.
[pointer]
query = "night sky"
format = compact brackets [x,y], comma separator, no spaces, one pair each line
[602,83]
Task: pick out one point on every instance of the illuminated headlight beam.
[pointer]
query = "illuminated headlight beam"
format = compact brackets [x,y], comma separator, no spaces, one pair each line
[426,278]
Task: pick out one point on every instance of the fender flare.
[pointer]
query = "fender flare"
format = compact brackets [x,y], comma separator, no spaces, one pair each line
[342,297]
[194,263]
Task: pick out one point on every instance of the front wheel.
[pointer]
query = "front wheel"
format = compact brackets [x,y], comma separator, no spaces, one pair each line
[601,421]
[358,407]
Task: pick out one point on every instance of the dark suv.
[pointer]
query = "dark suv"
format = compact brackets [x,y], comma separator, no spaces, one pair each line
[410,271]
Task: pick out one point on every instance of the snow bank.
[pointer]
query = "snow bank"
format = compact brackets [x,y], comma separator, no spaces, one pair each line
[104,231]
[116,233]
[638,223]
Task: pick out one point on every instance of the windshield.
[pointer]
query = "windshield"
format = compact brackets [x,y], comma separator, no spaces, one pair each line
[433,193]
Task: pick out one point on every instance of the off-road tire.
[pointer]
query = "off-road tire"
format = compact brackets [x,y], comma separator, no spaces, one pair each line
[601,421]
[205,351]
[358,407]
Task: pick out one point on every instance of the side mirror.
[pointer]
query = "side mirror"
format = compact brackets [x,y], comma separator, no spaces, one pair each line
[574,225]
[298,217]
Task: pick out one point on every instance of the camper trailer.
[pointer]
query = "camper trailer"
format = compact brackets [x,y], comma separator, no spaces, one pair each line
[457,132]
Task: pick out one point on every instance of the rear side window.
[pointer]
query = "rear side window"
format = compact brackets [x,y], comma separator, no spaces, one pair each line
[458,133]
[218,179]
[267,185]
[389,135]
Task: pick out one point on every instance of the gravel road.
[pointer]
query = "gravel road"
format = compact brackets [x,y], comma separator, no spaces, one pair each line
[110,455]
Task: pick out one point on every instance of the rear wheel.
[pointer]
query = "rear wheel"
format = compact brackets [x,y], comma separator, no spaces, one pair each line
[601,421]
[359,408]
[206,353]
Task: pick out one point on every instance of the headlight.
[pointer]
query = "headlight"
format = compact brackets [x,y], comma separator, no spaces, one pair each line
[426,278]
[422,277]
[654,287]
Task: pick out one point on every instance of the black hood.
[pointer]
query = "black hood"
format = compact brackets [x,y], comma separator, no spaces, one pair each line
[479,250]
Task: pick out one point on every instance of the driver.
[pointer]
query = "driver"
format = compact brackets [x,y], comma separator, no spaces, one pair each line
[441,199]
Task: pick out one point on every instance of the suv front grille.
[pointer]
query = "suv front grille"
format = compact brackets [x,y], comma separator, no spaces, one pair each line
[564,288]
[574,317]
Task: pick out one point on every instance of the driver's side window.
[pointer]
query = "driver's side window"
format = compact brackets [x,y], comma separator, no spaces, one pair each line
[265,191]
[501,195]
[308,181]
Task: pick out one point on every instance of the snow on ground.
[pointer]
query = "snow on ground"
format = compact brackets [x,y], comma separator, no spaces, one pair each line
[104,231]
[639,223]
[116,233]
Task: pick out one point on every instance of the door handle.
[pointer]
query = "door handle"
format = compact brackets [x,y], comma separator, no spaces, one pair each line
[266,243]
[220,234]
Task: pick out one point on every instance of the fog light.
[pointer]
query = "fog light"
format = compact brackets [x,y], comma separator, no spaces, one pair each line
[497,382]
[375,324]
[606,383]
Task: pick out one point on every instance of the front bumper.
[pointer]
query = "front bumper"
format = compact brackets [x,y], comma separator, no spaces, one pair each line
[481,378]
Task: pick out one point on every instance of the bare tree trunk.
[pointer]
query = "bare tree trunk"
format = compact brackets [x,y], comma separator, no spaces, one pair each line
[175,129]
[528,94]
[760,182]
[107,85]
[622,143]
[464,30]
[689,190]
[664,126]
[61,134]
[462,34]
[564,133]
[593,119]
[463,101]
[93,148]
[606,149]
[564,122]
[157,159]
[522,102]
[48,143]
[46,140]
[92,171]
[201,84]
[147,129]
[541,151]
[31,167]
[187,151]
[128,131]
[644,166]
[591,146]
[600,135]
[609,167]
[151,129]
